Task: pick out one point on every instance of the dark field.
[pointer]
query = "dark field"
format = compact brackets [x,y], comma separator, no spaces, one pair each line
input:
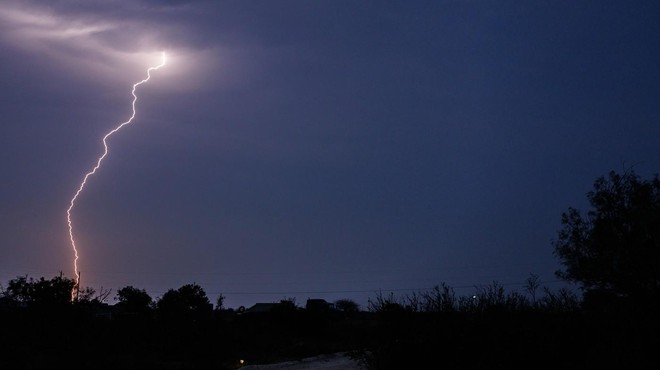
[394,339]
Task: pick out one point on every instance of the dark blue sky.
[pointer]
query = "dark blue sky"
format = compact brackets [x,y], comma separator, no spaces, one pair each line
[322,149]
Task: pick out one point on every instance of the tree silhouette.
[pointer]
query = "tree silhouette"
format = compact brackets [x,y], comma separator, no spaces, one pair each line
[133,300]
[532,284]
[190,299]
[615,248]
[220,303]
[347,305]
[42,292]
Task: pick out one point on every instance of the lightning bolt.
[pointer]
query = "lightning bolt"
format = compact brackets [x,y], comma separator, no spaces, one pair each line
[93,171]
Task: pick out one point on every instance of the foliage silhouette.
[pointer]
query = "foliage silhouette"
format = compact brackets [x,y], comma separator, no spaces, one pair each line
[189,301]
[614,251]
[220,303]
[441,298]
[133,300]
[532,284]
[492,328]
[347,306]
[386,304]
[42,292]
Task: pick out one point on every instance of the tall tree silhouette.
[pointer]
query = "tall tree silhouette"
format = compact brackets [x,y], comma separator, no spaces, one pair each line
[615,248]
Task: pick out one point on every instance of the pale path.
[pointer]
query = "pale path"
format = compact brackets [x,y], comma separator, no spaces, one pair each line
[337,361]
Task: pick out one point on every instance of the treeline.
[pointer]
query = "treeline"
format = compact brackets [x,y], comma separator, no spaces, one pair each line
[490,298]
[60,292]
[492,328]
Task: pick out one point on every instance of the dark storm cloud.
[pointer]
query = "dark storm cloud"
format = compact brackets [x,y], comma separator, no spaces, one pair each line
[92,31]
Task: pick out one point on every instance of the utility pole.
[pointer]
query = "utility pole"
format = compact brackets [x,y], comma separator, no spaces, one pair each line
[78,286]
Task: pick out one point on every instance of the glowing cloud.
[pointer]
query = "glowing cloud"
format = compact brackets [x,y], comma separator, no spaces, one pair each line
[96,167]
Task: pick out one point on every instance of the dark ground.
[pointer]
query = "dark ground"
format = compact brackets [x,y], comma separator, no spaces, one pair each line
[387,340]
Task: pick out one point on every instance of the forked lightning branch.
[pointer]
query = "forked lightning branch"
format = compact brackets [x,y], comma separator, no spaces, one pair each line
[93,171]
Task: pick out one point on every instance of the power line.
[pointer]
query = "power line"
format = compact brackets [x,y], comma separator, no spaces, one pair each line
[375,290]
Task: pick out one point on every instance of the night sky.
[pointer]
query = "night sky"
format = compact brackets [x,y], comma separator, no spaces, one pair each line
[316,149]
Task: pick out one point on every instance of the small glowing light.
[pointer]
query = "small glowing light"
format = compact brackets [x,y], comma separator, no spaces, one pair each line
[241,362]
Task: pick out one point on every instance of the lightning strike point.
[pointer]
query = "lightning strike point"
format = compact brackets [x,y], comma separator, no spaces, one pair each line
[72,203]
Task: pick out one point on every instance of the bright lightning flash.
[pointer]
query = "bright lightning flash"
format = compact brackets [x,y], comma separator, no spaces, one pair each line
[93,171]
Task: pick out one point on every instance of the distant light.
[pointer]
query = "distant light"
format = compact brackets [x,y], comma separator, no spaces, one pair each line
[241,362]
